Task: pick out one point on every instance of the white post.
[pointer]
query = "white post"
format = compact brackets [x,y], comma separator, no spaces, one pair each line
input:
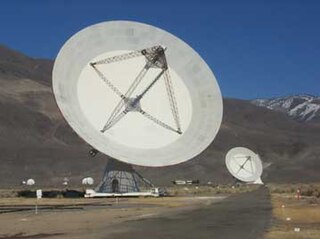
[36,207]
[39,195]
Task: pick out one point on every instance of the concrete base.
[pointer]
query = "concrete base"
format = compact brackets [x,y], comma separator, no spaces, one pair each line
[93,194]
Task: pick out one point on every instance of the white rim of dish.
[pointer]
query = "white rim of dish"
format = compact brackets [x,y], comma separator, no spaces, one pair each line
[196,75]
[235,169]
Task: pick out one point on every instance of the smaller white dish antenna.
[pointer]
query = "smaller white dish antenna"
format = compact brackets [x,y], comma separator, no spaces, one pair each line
[88,181]
[244,165]
[65,181]
[30,182]
[84,181]
[23,182]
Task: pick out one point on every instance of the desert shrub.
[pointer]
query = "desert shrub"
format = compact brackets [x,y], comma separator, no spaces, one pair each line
[72,194]
[27,194]
[316,194]
[51,194]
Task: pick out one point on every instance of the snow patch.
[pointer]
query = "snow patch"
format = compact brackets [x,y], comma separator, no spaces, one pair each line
[301,107]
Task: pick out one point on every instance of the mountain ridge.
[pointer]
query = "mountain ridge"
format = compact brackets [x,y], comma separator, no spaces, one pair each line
[35,140]
[301,107]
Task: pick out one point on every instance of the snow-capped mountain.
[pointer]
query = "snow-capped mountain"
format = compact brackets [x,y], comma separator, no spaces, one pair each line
[303,108]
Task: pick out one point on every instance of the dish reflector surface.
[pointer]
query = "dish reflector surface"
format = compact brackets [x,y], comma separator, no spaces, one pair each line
[87,181]
[30,182]
[137,93]
[244,164]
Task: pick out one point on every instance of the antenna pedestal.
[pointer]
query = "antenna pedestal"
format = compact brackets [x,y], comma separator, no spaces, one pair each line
[120,177]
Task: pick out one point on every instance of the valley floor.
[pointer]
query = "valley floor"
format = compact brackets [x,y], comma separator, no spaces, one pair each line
[254,214]
[241,215]
[294,219]
[86,218]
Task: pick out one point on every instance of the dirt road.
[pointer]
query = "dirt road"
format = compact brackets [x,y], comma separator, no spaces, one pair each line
[242,216]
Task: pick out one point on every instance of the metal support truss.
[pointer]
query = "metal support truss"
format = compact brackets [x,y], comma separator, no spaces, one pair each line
[241,166]
[126,178]
[155,58]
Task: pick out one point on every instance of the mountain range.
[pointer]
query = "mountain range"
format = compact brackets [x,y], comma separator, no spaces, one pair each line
[36,142]
[304,108]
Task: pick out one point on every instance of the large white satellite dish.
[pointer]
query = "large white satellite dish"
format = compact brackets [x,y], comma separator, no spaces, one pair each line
[137,93]
[244,164]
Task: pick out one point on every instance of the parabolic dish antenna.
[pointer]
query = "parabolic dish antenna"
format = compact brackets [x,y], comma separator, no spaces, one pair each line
[244,164]
[87,181]
[30,182]
[137,93]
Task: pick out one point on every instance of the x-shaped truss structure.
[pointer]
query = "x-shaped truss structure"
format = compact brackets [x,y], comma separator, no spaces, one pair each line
[155,58]
[242,166]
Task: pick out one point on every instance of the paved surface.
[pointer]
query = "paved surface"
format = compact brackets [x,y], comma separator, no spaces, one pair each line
[243,216]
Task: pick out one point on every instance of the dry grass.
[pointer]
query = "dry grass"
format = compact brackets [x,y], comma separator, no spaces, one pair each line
[179,190]
[312,189]
[192,190]
[303,214]
[78,224]
[306,234]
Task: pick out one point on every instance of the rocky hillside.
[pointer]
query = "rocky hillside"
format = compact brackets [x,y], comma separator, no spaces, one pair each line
[36,142]
[305,108]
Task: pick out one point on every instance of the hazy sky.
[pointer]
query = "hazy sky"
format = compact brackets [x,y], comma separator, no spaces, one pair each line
[255,48]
